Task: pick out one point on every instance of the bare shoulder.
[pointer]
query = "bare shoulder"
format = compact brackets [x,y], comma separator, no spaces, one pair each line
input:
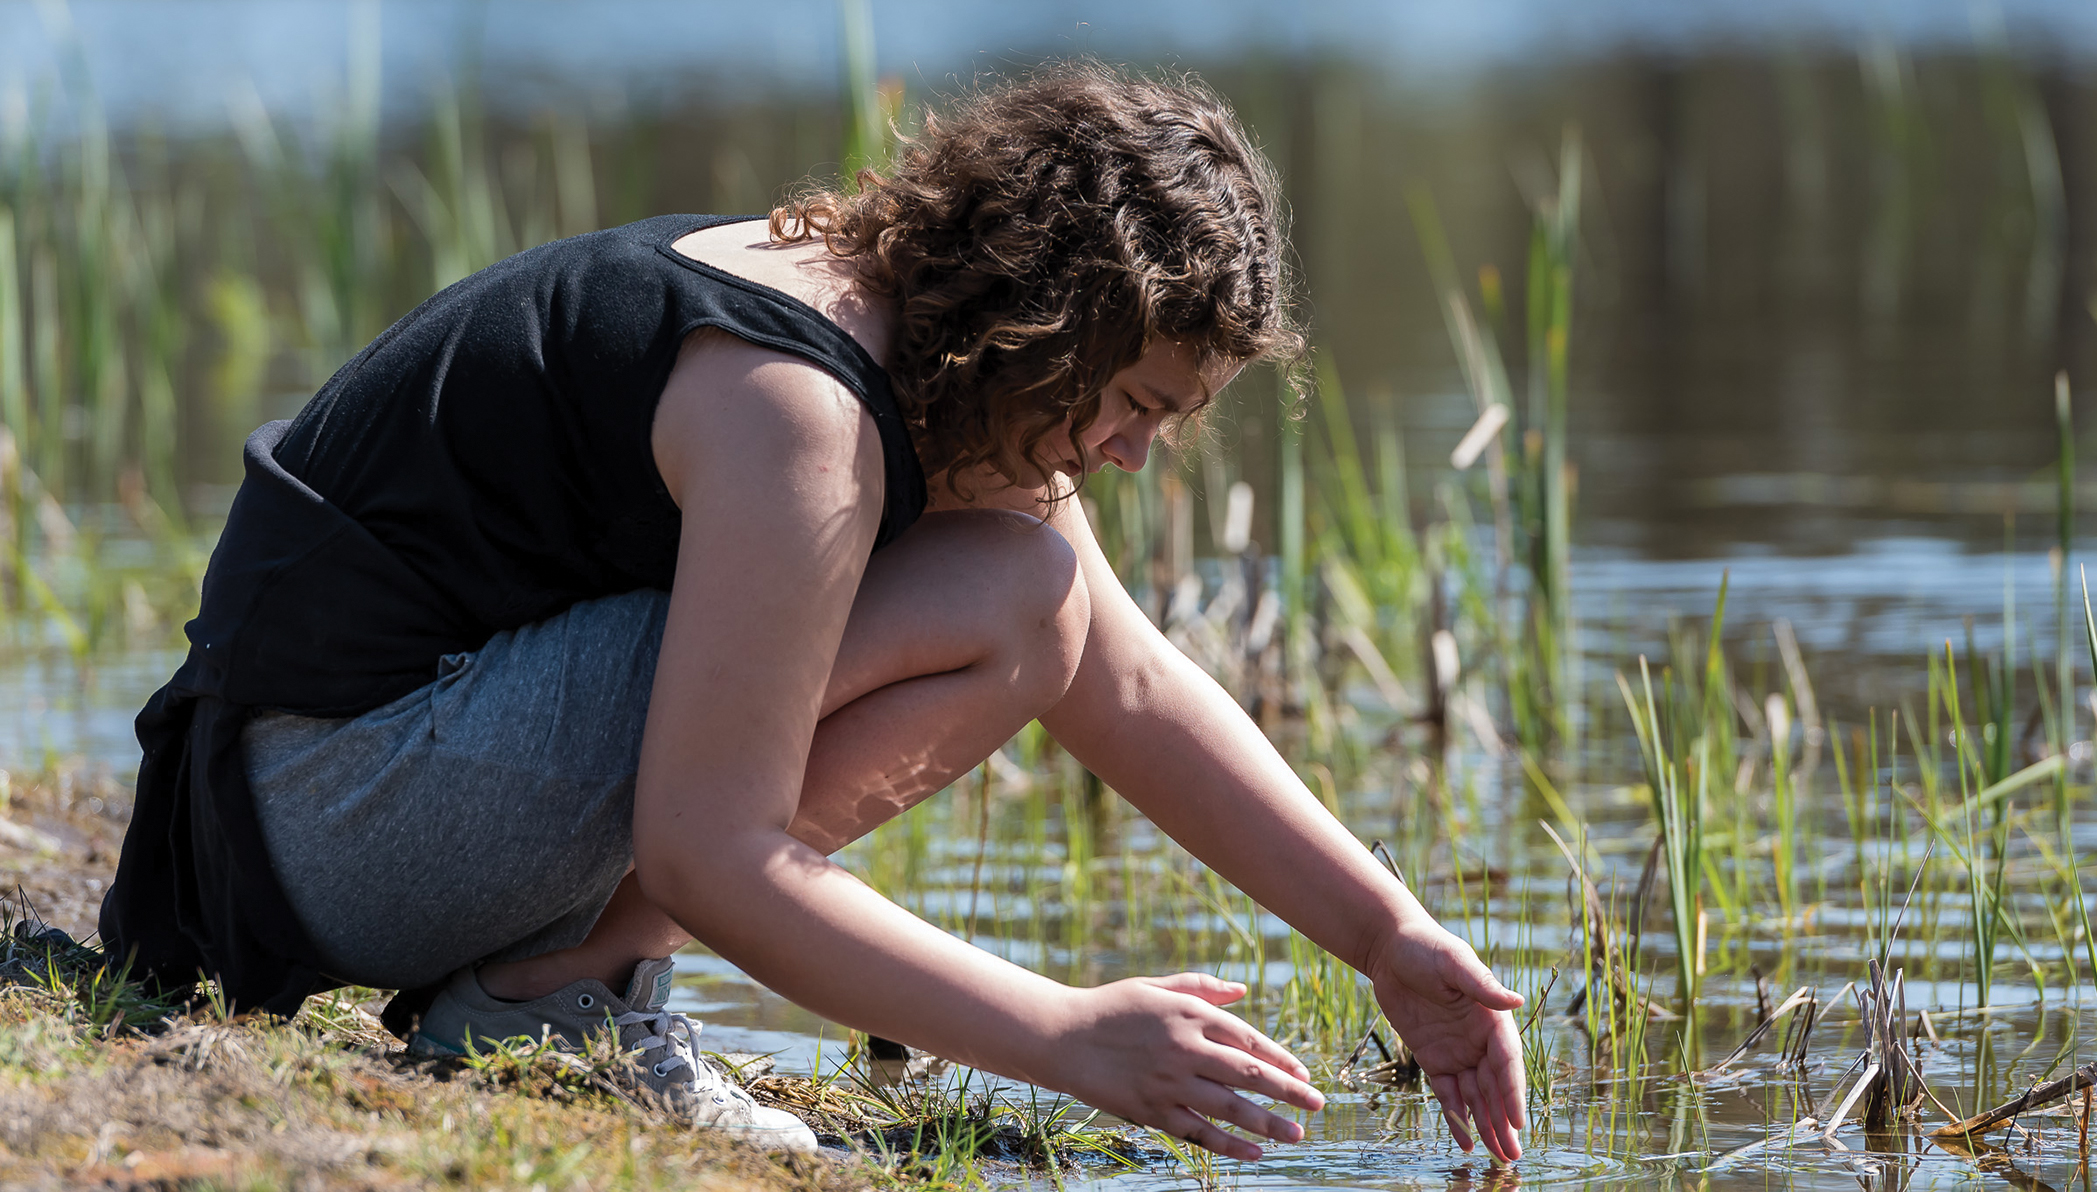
[732,406]
[806,271]
[734,411]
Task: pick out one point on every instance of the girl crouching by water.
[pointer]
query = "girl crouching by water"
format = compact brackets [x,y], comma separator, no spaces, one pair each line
[596,603]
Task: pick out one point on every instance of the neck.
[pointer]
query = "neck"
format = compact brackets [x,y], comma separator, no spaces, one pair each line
[832,285]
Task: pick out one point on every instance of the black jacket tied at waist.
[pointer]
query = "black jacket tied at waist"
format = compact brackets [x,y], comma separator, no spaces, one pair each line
[195,893]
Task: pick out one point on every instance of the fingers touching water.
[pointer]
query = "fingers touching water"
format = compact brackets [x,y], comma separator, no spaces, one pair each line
[1158,1051]
[1458,1020]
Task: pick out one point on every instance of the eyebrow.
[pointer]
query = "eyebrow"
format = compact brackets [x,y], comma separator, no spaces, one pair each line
[1162,399]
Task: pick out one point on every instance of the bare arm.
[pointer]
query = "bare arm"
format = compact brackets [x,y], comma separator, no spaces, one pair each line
[1160,731]
[778,473]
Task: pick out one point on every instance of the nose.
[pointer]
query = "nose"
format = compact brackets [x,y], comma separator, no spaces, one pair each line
[1128,447]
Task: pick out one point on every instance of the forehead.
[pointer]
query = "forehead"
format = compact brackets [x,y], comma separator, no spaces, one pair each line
[1168,370]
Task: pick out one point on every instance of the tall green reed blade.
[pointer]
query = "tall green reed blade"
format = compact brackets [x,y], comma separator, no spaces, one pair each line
[574,174]
[462,210]
[1375,581]
[1393,497]
[1784,804]
[1895,831]
[48,370]
[1527,475]
[153,289]
[1980,890]
[14,401]
[350,197]
[1295,586]
[90,294]
[14,376]
[1521,647]
[1718,687]
[2064,469]
[1874,900]
[1347,482]
[1478,355]
[2063,721]
[330,205]
[1709,728]
[2001,742]
[2082,907]
[1681,830]
[1550,335]
[869,108]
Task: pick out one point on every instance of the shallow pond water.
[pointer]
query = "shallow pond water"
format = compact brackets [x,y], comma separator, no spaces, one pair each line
[1730,1130]
[1090,894]
[1085,890]
[1825,281]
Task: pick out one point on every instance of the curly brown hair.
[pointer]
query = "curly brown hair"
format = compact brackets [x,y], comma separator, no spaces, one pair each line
[1040,235]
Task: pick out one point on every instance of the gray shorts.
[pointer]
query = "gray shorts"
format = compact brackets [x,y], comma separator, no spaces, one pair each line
[486,816]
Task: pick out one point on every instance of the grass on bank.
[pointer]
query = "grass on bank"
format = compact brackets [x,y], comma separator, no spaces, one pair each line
[1456,610]
[100,1083]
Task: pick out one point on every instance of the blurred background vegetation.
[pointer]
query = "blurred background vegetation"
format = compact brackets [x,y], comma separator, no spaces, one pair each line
[1686,377]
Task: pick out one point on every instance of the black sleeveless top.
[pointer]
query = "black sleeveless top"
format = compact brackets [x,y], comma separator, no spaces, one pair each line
[485,463]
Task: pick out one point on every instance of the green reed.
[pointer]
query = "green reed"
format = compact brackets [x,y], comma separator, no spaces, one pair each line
[1679,796]
[872,105]
[2061,725]
[1528,482]
[1376,628]
[1784,804]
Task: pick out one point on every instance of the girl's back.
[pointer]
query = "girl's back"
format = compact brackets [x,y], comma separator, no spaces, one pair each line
[496,441]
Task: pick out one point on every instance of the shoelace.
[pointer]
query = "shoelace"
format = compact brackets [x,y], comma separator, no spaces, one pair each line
[668,1029]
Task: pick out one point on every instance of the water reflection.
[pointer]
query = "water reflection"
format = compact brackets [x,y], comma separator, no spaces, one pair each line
[1823,297]
[1734,1130]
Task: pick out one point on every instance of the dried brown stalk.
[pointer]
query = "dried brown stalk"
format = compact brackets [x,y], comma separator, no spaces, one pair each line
[1802,996]
[2033,1098]
[1606,961]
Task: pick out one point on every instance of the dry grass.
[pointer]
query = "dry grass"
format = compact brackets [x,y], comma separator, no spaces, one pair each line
[102,1087]
[60,833]
[329,1101]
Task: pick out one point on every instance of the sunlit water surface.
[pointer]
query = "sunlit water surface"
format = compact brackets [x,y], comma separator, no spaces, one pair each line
[1864,620]
[1813,354]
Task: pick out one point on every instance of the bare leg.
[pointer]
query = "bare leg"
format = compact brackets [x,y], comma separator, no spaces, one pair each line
[964,629]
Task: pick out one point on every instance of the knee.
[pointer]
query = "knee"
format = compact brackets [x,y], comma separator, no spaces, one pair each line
[1037,610]
[1051,611]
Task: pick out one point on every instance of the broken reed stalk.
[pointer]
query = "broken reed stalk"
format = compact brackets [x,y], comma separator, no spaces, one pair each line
[1398,1067]
[1800,1036]
[1872,1072]
[1606,962]
[1802,996]
[1635,930]
[1899,1085]
[2033,1098]
[1891,1084]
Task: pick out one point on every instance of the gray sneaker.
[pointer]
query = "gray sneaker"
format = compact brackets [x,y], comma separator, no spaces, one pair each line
[668,1064]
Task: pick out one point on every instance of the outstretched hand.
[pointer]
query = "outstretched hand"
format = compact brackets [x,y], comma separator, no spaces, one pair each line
[1455,1016]
[1157,1051]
